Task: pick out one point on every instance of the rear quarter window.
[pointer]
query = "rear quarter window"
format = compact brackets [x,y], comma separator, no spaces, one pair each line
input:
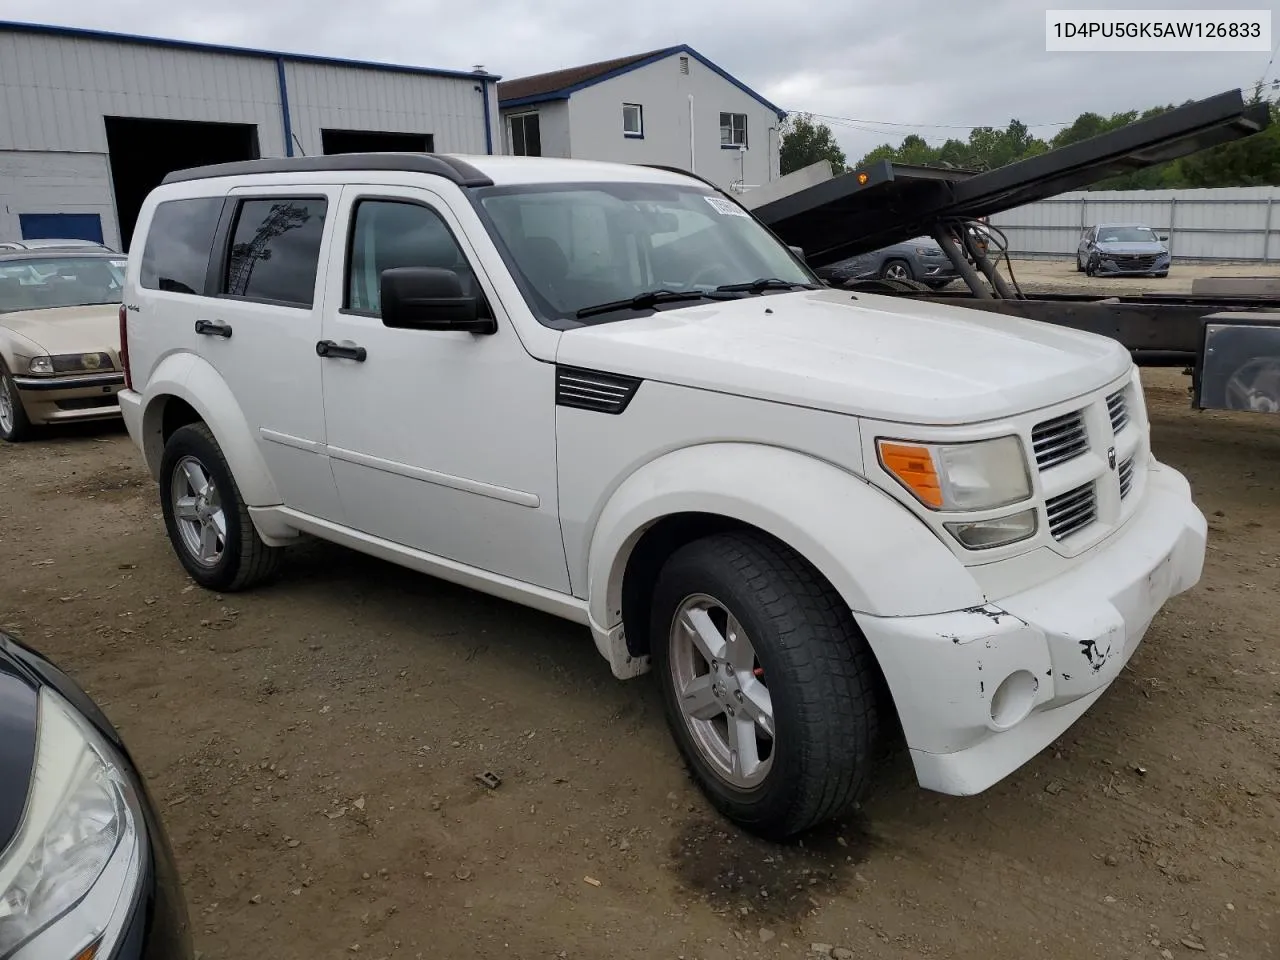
[175,257]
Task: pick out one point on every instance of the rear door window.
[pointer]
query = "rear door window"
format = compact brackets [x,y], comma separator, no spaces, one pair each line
[275,250]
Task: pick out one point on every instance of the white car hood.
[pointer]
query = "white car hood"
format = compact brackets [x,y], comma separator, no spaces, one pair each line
[882,357]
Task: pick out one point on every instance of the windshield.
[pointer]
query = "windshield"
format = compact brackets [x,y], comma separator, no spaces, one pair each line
[1127,235]
[577,246]
[46,282]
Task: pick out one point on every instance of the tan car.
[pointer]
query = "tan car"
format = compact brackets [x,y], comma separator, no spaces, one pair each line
[59,338]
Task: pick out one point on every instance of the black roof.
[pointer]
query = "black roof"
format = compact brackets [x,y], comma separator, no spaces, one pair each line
[886,203]
[440,165]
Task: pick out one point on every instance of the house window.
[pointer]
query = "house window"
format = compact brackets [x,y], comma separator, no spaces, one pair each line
[526,138]
[733,130]
[632,120]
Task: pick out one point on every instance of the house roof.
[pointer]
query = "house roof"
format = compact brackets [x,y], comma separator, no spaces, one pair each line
[83,33]
[560,84]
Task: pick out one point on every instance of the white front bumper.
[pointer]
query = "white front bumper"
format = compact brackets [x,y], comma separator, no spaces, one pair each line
[980,692]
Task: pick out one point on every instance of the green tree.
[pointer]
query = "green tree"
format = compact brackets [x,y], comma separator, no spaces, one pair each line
[805,141]
[1253,161]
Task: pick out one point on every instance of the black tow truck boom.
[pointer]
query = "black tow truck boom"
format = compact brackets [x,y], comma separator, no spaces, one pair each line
[1231,343]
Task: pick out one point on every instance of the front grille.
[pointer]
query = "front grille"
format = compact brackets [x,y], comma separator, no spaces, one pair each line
[1118,407]
[1126,477]
[1072,511]
[1132,261]
[1059,440]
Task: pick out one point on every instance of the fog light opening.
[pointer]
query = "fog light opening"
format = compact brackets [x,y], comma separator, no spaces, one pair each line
[1013,699]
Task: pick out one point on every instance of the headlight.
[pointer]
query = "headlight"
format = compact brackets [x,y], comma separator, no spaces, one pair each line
[71,363]
[69,879]
[959,476]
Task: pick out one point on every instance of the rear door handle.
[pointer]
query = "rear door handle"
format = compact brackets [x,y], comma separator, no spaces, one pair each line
[213,328]
[327,348]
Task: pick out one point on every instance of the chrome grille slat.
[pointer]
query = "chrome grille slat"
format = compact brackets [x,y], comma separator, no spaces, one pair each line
[1072,511]
[1126,477]
[1118,409]
[1060,439]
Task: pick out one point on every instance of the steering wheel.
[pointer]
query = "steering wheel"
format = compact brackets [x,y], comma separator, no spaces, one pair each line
[711,268]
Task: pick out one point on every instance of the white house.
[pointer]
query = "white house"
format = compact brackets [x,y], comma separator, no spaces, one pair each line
[672,107]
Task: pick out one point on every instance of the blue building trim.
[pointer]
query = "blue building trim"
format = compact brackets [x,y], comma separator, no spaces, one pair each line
[564,92]
[86,34]
[488,125]
[284,107]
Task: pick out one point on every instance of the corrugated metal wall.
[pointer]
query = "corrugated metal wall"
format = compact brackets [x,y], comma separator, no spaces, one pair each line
[1236,223]
[54,91]
[346,98]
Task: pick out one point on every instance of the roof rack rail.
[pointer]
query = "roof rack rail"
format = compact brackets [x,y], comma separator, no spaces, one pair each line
[451,168]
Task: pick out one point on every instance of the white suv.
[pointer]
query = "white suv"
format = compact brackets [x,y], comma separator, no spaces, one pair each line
[609,393]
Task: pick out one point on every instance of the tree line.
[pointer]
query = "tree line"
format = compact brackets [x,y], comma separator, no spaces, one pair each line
[1251,162]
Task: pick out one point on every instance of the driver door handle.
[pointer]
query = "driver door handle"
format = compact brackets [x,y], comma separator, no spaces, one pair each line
[213,328]
[335,351]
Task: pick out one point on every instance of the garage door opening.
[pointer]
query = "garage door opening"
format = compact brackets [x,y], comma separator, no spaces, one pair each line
[142,152]
[375,141]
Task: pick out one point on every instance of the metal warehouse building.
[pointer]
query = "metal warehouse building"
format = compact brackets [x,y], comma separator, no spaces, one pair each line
[90,122]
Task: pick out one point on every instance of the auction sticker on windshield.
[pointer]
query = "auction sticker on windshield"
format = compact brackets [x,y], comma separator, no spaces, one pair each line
[727,207]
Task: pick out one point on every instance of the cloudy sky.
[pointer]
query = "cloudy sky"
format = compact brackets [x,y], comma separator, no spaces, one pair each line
[884,67]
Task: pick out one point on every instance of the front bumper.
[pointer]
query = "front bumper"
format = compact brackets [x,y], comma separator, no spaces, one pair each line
[980,692]
[70,397]
[1107,267]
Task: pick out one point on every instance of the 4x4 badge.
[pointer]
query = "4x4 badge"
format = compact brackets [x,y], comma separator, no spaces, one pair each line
[1111,458]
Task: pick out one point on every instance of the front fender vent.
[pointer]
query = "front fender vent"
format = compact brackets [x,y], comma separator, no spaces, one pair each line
[593,390]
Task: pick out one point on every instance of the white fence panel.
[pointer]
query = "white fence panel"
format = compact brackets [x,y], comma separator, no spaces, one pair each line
[1229,223]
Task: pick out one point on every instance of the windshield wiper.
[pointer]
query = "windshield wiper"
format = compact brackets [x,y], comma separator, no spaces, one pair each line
[650,298]
[759,286]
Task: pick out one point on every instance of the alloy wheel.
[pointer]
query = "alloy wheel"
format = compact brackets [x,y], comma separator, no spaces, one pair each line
[721,691]
[197,508]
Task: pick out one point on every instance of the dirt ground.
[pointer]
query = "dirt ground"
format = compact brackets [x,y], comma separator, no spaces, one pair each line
[315,744]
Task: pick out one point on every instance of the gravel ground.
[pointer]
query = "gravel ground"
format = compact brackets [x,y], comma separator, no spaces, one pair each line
[1060,276]
[315,747]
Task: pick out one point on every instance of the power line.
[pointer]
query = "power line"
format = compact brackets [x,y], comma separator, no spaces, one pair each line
[933,126]
[1263,78]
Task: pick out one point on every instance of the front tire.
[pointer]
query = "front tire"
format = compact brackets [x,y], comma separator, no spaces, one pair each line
[207,519]
[769,687]
[14,424]
[897,270]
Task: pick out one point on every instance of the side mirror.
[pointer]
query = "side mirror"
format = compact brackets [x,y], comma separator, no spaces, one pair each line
[798,251]
[1164,239]
[430,298]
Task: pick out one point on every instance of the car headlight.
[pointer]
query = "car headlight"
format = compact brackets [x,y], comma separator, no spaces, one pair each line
[980,475]
[40,365]
[69,879]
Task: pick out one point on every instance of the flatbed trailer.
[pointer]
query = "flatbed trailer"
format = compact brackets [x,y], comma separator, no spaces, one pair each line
[1229,343]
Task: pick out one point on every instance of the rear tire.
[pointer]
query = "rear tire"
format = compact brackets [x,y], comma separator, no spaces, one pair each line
[207,519]
[14,424]
[797,666]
